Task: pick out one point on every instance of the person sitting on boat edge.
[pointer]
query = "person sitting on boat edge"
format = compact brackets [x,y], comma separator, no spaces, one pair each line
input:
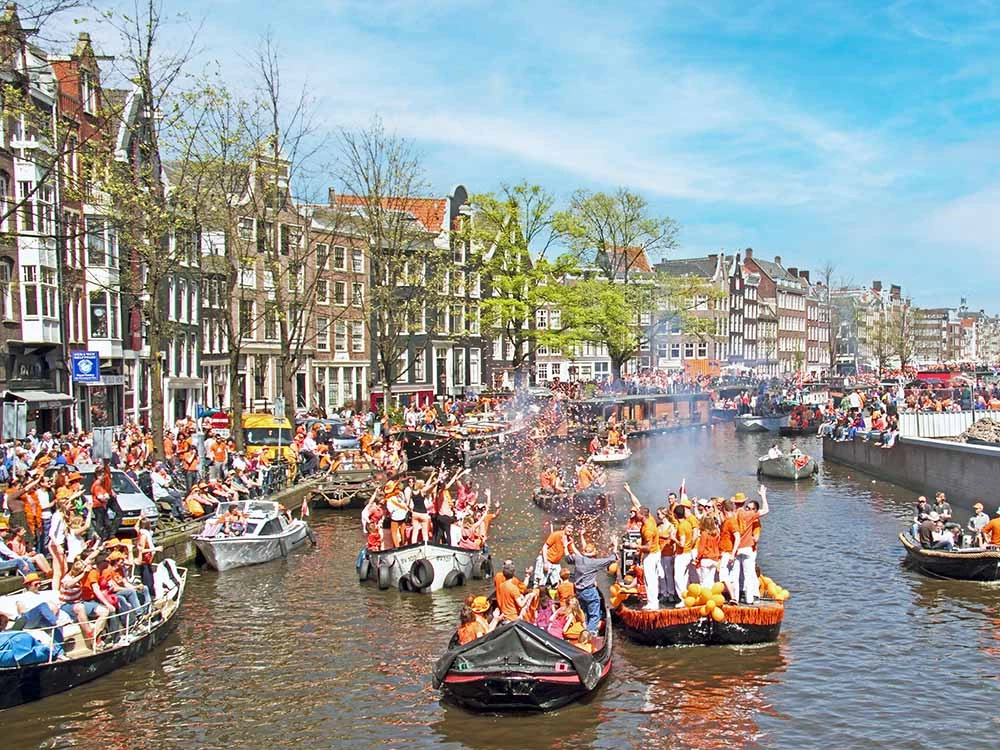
[774,451]
[586,566]
[941,538]
[941,507]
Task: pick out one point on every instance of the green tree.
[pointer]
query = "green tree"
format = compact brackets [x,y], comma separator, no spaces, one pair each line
[513,235]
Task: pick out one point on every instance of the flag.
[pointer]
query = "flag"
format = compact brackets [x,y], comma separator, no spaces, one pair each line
[305,507]
[682,493]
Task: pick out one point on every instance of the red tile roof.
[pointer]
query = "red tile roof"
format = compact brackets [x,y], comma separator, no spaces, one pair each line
[428,211]
[634,259]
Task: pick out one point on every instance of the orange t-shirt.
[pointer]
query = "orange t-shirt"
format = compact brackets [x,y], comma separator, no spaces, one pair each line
[748,524]
[90,581]
[667,546]
[507,593]
[470,631]
[556,547]
[709,547]
[565,590]
[650,535]
[685,535]
[991,531]
[728,535]
[219,452]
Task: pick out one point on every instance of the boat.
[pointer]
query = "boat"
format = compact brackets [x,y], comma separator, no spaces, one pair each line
[423,567]
[753,423]
[721,414]
[520,667]
[351,486]
[476,441]
[270,533]
[31,682]
[612,456]
[963,563]
[743,625]
[787,467]
[572,503]
[789,431]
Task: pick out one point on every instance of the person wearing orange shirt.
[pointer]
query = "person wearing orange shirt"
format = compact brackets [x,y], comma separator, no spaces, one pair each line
[668,549]
[584,477]
[991,531]
[686,539]
[557,545]
[650,548]
[219,452]
[727,557]
[510,600]
[708,551]
[747,535]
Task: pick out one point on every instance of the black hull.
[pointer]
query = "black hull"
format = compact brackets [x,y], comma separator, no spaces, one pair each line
[568,503]
[704,632]
[513,693]
[26,684]
[960,566]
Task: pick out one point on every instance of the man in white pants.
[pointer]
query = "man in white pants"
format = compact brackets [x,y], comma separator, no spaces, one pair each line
[650,549]
[747,521]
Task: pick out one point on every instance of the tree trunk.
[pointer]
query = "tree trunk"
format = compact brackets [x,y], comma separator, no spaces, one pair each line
[156,389]
[616,369]
[235,400]
[288,390]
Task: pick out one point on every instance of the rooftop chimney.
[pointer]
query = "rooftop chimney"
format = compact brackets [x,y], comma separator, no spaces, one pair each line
[876,286]
[895,291]
[749,253]
[793,272]
[777,259]
[803,274]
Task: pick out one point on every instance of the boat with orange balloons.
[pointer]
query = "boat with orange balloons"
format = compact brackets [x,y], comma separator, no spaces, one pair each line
[705,620]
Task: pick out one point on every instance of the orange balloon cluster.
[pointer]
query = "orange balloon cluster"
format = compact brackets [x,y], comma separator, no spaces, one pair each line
[773,590]
[708,600]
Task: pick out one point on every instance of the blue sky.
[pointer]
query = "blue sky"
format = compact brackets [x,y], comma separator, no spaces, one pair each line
[860,133]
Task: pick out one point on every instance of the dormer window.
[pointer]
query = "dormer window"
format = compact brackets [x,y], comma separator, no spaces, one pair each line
[88,93]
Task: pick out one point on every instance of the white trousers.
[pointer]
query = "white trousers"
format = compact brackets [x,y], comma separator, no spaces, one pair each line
[651,574]
[706,572]
[681,563]
[746,565]
[729,574]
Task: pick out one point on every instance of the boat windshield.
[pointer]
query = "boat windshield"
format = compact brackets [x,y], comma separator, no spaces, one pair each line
[268,435]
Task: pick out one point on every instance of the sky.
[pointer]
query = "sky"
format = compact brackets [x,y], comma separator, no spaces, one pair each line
[858,133]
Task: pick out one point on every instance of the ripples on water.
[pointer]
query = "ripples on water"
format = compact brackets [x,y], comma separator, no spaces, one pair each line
[297,654]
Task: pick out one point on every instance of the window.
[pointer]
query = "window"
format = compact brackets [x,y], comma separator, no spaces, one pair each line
[248,277]
[271,322]
[675,351]
[340,337]
[88,92]
[339,293]
[457,319]
[460,367]
[246,318]
[474,285]
[419,370]
[26,193]
[472,319]
[4,200]
[542,319]
[245,228]
[555,320]
[291,238]
[339,258]
[702,350]
[357,293]
[6,283]
[542,371]
[475,357]
[555,369]
[322,291]
[45,196]
[459,283]
[357,336]
[294,278]
[29,275]
[322,255]
[458,252]
[357,262]
[98,315]
[322,334]
[689,350]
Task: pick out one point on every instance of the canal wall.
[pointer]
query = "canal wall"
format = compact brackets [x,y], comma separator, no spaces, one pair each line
[965,473]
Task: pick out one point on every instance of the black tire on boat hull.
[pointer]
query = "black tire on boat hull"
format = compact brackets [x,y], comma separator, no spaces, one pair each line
[454,578]
[365,570]
[406,584]
[422,573]
[382,577]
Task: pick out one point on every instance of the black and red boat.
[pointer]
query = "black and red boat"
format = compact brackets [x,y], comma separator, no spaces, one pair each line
[520,667]
[744,625]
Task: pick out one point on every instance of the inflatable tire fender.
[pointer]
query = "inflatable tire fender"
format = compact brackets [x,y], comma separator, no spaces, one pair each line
[383,577]
[365,569]
[485,568]
[405,584]
[454,578]
[422,573]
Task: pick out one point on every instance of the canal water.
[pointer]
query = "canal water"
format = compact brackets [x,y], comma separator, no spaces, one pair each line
[297,654]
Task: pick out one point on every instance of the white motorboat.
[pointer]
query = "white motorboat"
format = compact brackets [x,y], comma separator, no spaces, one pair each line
[610,455]
[753,423]
[424,567]
[786,467]
[268,533]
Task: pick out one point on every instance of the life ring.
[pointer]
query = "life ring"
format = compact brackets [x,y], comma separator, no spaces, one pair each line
[365,570]
[454,578]
[422,573]
[406,585]
[382,576]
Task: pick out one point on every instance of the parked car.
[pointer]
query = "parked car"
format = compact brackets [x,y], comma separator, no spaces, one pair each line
[333,431]
[135,504]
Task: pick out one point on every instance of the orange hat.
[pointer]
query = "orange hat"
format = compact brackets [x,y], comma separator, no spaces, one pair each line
[31,578]
[739,497]
[115,556]
[480,604]
[74,476]
[113,542]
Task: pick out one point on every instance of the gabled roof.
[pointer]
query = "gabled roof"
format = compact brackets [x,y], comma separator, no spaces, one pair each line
[620,260]
[773,270]
[430,212]
[702,267]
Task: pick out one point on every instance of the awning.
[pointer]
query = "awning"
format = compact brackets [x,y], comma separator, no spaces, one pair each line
[42,399]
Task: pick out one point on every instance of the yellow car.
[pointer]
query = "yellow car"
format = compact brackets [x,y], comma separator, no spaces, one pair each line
[262,434]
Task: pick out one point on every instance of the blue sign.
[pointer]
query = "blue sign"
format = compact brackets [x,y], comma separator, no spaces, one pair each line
[86,367]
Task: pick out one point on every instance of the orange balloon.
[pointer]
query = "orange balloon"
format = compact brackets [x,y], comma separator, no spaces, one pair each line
[613,568]
[690,601]
[719,599]
[710,605]
[703,611]
[718,615]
